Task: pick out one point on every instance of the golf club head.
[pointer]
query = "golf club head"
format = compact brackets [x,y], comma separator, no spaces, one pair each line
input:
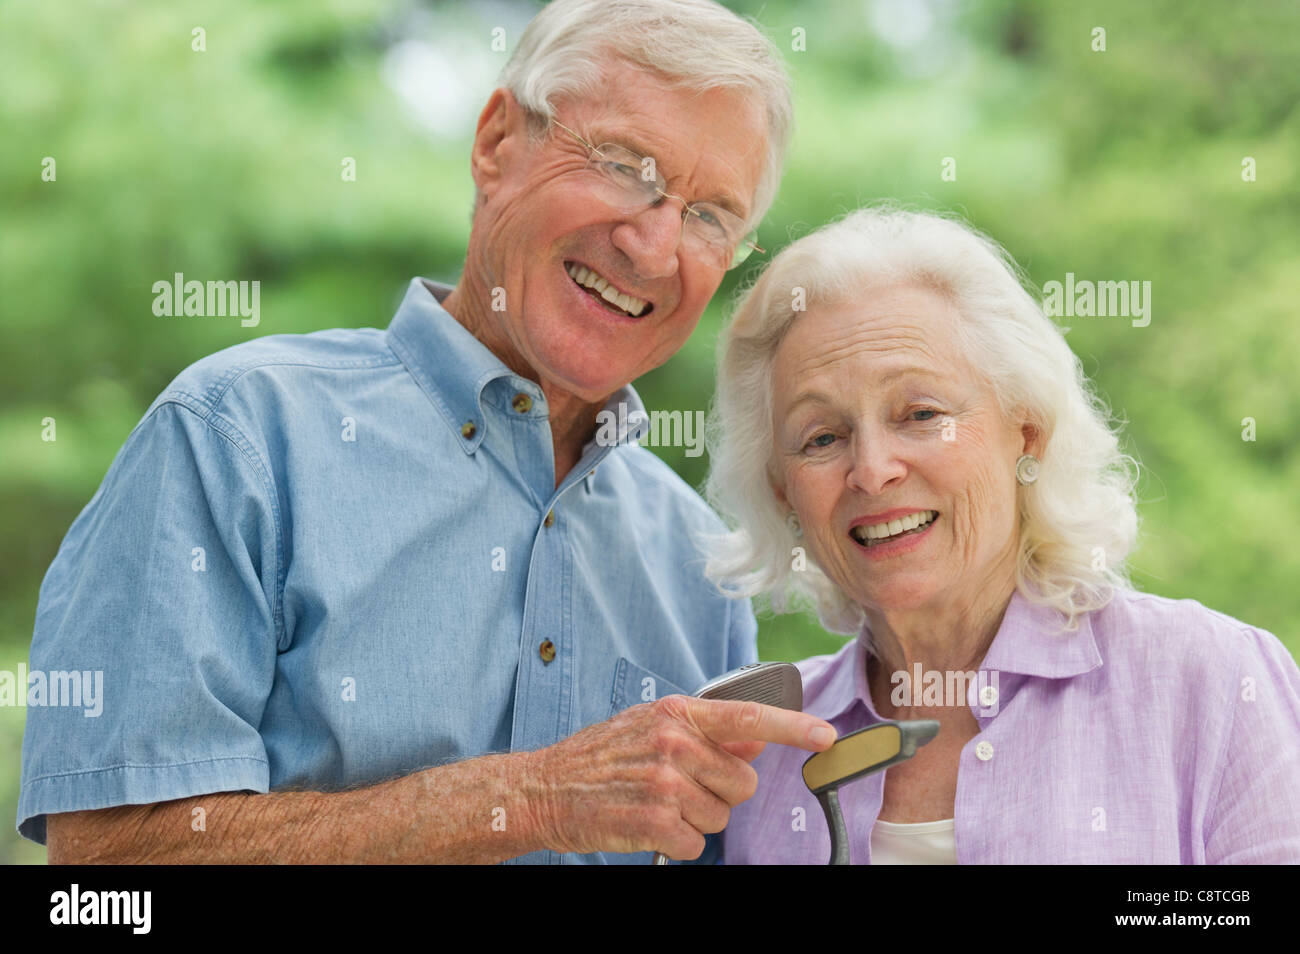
[772,684]
[865,751]
[851,757]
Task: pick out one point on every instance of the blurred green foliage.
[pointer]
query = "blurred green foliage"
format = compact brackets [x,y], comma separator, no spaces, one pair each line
[1122,164]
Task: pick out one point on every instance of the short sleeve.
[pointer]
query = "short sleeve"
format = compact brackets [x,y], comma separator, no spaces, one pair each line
[1255,818]
[156,629]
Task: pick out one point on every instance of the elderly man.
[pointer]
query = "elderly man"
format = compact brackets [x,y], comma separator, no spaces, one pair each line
[389,596]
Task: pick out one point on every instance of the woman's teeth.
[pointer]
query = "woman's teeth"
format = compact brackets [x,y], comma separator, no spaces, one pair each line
[589,279]
[880,532]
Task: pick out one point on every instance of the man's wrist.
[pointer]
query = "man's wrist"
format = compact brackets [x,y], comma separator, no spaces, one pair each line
[529,791]
[495,805]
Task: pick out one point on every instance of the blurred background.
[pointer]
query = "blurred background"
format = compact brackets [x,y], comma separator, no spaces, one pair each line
[1117,164]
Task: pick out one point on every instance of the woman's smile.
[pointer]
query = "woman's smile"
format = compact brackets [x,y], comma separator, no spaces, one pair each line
[880,539]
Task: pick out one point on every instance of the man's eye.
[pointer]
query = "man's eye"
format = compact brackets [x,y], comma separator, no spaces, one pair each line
[712,223]
[708,218]
[621,171]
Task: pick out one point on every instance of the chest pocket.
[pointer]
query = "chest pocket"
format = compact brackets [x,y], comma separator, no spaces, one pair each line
[635,684]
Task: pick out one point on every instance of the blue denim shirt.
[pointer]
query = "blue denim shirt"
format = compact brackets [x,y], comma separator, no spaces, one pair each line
[321,561]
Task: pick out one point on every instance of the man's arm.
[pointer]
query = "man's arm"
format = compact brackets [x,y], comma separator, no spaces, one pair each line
[444,814]
[657,776]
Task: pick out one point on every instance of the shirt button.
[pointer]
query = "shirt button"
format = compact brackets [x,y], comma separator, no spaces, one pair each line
[984,750]
[550,519]
[468,430]
[546,651]
[522,403]
[989,696]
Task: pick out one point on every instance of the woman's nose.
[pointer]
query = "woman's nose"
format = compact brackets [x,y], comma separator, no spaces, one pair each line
[876,463]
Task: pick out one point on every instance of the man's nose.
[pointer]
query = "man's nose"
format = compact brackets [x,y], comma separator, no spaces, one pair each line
[651,238]
[877,463]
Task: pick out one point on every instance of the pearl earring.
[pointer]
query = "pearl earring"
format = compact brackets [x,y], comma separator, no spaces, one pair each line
[793,520]
[1027,469]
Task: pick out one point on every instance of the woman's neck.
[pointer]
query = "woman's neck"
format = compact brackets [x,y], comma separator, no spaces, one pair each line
[953,636]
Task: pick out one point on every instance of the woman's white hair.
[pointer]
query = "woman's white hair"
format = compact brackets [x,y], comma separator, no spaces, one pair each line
[1078,522]
[691,44]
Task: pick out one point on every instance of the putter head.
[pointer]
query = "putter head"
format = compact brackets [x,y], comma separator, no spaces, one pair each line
[865,751]
[773,684]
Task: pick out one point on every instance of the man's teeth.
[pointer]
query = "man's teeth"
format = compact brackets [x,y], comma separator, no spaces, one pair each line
[892,528]
[589,279]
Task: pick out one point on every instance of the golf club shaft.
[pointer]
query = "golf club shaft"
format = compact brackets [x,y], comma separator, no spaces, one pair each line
[830,802]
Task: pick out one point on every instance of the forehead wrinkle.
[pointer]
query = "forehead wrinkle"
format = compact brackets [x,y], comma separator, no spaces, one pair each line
[611,120]
[864,341]
[612,125]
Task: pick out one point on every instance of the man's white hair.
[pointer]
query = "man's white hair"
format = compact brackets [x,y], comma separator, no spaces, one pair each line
[1078,522]
[691,44]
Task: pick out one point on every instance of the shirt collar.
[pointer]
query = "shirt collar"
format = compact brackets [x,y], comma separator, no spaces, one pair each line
[1030,641]
[450,365]
[453,367]
[622,420]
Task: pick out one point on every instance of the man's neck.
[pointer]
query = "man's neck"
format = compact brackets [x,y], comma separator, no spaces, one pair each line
[572,420]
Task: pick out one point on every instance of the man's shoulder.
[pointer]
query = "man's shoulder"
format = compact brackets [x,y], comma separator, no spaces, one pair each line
[280,361]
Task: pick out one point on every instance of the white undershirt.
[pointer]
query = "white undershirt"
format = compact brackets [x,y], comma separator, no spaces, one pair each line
[920,843]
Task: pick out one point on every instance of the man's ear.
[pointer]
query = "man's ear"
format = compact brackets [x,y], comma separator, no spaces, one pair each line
[501,119]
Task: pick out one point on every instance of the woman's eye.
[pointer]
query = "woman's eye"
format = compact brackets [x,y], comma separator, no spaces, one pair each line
[929,412]
[822,440]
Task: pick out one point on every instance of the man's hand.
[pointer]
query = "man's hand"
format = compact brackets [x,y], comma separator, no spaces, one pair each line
[655,776]
[659,776]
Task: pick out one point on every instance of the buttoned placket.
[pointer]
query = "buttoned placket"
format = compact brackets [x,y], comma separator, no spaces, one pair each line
[486,405]
[984,699]
[546,708]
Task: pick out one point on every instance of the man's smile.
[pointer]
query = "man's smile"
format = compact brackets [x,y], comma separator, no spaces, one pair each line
[606,292]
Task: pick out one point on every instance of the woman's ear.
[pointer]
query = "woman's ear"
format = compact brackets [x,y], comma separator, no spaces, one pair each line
[1033,438]
[779,494]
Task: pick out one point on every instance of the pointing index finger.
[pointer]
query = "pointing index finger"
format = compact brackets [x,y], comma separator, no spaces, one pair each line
[726,720]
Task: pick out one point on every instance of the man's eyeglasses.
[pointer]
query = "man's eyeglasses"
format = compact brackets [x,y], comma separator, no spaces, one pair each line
[630,183]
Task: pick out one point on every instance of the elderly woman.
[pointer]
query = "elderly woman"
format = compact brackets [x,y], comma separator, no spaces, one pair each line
[905,440]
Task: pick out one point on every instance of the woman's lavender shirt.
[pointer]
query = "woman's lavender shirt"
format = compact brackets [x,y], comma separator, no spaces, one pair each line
[1159,732]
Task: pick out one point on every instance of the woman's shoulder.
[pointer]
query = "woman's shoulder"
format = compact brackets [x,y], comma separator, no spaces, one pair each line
[1128,607]
[1181,633]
